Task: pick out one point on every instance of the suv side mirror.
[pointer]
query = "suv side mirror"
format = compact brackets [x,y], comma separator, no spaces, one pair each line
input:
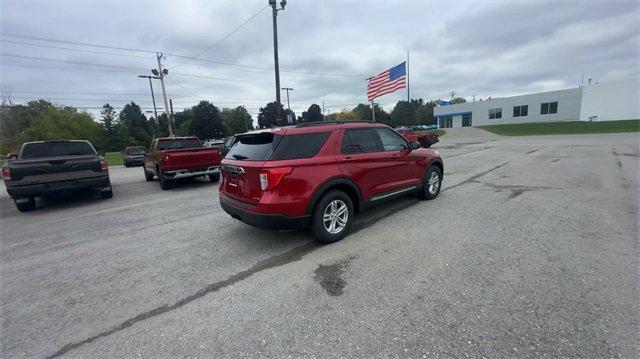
[414,145]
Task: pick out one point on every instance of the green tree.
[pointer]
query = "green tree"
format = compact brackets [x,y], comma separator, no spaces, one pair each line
[108,119]
[135,121]
[115,134]
[182,121]
[403,114]
[267,115]
[55,123]
[458,100]
[236,120]
[206,122]
[314,113]
[363,113]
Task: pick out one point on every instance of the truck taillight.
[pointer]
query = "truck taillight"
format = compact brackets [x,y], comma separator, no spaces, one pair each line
[103,166]
[270,178]
[6,174]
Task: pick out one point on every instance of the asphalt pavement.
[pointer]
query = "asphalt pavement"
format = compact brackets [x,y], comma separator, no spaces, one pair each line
[531,250]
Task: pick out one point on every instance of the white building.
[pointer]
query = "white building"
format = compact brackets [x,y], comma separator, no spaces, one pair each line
[600,101]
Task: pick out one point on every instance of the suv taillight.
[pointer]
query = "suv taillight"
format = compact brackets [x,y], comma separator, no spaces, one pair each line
[103,166]
[6,174]
[271,177]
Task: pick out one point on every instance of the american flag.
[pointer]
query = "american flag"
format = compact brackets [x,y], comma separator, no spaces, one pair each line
[388,81]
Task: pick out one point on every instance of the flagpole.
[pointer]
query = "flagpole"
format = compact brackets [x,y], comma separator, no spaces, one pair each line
[408,91]
[373,112]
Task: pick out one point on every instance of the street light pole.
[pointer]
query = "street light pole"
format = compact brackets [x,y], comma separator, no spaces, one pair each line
[288,104]
[153,97]
[275,54]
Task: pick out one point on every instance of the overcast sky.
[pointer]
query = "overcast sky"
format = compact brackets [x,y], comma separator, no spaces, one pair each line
[327,49]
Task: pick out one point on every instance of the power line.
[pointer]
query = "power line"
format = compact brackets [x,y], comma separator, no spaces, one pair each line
[71,49]
[75,43]
[190,58]
[67,61]
[222,39]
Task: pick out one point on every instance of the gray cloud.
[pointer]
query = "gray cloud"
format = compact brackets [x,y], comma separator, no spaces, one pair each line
[486,49]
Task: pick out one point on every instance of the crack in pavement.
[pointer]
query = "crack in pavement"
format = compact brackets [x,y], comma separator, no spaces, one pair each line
[536,150]
[294,254]
[475,177]
[515,189]
[617,155]
[466,153]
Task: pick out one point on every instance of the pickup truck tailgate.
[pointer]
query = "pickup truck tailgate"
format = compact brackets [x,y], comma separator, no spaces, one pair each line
[191,158]
[50,169]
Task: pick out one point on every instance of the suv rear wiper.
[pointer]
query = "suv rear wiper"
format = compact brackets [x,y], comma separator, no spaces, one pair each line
[240,157]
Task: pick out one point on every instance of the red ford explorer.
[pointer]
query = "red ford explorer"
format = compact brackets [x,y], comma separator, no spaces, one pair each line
[319,175]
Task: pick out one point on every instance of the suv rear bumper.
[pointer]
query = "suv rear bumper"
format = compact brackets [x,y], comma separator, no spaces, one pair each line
[243,213]
[60,186]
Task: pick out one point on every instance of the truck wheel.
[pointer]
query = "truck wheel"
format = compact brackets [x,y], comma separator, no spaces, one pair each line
[147,176]
[104,194]
[25,206]
[214,177]
[332,217]
[165,183]
[431,183]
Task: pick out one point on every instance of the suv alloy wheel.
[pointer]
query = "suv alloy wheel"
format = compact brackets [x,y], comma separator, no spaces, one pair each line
[332,217]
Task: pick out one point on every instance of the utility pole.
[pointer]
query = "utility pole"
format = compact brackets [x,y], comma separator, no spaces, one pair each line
[275,55]
[288,105]
[323,111]
[452,93]
[474,98]
[161,74]
[153,97]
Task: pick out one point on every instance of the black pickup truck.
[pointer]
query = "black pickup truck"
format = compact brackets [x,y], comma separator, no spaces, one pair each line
[54,167]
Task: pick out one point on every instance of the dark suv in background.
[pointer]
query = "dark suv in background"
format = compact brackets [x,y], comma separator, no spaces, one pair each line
[134,156]
[319,175]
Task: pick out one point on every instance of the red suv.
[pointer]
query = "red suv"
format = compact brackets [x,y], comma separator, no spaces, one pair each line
[319,175]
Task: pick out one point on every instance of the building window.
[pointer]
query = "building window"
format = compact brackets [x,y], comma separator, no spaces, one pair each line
[446,121]
[520,111]
[495,113]
[549,108]
[466,120]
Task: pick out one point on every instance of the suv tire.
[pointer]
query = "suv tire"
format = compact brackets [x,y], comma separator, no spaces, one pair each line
[332,217]
[214,177]
[431,184]
[30,205]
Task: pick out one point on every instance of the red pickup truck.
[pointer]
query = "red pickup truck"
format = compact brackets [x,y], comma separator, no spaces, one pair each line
[171,158]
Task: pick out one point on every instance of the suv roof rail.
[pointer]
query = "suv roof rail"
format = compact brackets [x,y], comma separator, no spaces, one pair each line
[322,123]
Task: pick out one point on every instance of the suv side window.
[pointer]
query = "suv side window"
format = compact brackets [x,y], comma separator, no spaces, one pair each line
[299,146]
[391,141]
[361,141]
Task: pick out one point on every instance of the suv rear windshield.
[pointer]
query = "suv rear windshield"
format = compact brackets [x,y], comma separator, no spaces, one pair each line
[179,143]
[136,151]
[55,149]
[267,146]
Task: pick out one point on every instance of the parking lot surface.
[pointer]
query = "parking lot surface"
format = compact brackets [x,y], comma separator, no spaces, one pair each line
[531,250]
